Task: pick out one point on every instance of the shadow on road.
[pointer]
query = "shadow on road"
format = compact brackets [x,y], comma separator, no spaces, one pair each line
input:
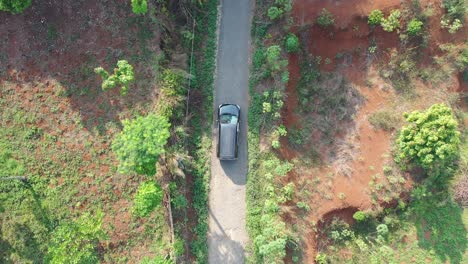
[223,248]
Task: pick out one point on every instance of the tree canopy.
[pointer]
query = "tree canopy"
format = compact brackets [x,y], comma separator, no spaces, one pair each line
[140,143]
[430,139]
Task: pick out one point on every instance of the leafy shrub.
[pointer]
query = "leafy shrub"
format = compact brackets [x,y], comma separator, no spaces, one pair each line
[9,165]
[456,9]
[140,143]
[122,76]
[431,138]
[321,258]
[453,26]
[273,54]
[14,6]
[359,216]
[271,242]
[325,18]
[375,17]
[304,206]
[173,90]
[414,27]
[139,6]
[292,43]
[76,242]
[148,196]
[286,5]
[274,12]
[392,22]
[382,230]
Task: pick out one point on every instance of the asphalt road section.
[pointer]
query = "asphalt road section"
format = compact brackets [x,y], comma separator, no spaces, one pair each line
[227,235]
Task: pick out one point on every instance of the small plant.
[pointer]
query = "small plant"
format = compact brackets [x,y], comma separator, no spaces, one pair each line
[414,27]
[321,258]
[292,43]
[122,76]
[341,196]
[139,6]
[275,12]
[325,18]
[14,6]
[304,206]
[375,17]
[148,196]
[273,57]
[392,22]
[453,26]
[359,216]
[384,120]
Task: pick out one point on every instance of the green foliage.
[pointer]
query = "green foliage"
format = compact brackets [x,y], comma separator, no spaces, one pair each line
[292,43]
[456,9]
[431,139]
[455,16]
[375,17]
[139,6]
[325,18]
[148,196]
[271,243]
[9,166]
[173,90]
[321,258]
[200,143]
[279,8]
[122,76]
[392,22]
[76,242]
[140,144]
[440,217]
[453,26]
[274,12]
[359,216]
[14,6]
[414,27]
[273,57]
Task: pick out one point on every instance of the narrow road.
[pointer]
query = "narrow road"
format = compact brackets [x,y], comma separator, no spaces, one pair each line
[227,235]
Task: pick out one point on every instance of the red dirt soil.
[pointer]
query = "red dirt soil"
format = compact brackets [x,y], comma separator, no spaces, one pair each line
[351,36]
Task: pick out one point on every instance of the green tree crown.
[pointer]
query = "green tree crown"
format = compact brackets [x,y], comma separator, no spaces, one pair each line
[148,197]
[430,139]
[140,144]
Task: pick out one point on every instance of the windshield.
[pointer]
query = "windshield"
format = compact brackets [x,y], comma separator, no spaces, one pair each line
[228,119]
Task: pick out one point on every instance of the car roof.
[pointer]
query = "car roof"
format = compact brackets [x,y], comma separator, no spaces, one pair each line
[227,141]
[229,109]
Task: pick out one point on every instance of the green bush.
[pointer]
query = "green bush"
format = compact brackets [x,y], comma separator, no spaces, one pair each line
[148,196]
[375,17]
[359,216]
[456,9]
[321,258]
[139,6]
[392,22]
[431,139]
[292,43]
[325,18]
[14,6]
[122,76]
[76,242]
[275,12]
[273,58]
[140,144]
[414,27]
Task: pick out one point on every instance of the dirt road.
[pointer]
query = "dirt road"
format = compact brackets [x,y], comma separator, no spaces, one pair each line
[227,210]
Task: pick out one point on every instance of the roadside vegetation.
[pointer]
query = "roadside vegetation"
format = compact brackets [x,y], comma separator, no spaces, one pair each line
[89,174]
